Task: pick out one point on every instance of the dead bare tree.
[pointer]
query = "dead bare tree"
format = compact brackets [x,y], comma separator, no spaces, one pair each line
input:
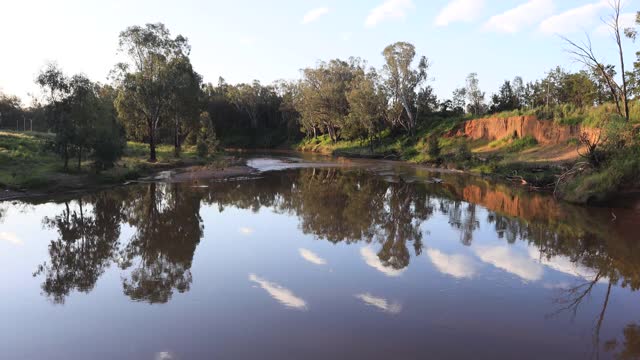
[614,24]
[583,53]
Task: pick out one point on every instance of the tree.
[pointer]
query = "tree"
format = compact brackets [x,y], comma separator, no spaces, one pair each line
[82,116]
[505,100]
[583,53]
[145,82]
[475,96]
[185,103]
[10,111]
[207,142]
[367,104]
[248,98]
[459,100]
[323,104]
[402,80]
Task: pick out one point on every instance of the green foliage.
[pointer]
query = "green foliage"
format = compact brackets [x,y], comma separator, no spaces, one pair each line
[620,168]
[433,147]
[155,85]
[521,144]
[207,143]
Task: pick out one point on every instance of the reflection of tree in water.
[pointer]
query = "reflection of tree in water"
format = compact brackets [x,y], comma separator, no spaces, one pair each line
[88,232]
[168,229]
[339,206]
[160,254]
[463,220]
[405,209]
[630,347]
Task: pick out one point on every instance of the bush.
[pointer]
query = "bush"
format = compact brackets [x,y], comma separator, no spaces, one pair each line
[520,144]
[433,147]
[463,152]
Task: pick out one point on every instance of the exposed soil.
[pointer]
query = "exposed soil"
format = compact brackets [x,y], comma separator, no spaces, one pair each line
[546,132]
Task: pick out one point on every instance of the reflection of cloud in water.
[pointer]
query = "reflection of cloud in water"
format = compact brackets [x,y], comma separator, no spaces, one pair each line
[562,264]
[371,259]
[246,231]
[381,303]
[163,355]
[312,257]
[281,294]
[511,261]
[10,238]
[457,265]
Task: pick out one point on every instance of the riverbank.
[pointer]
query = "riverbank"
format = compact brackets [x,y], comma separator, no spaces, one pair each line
[520,149]
[522,161]
[29,170]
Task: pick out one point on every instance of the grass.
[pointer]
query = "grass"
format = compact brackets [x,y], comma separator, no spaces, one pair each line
[27,164]
[568,114]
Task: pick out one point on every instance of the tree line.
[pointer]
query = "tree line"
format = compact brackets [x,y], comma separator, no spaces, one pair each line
[156,96]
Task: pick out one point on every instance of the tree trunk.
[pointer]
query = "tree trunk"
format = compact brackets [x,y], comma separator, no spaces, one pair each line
[176,144]
[65,155]
[411,124]
[79,157]
[152,144]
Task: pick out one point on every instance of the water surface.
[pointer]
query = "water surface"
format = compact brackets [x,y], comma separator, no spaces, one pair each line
[315,260]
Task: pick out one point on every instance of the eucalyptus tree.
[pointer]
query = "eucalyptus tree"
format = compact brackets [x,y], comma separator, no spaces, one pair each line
[323,103]
[247,98]
[145,80]
[367,105]
[82,118]
[186,100]
[402,79]
[475,96]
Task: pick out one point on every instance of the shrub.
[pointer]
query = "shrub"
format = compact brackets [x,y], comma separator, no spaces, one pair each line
[520,144]
[433,147]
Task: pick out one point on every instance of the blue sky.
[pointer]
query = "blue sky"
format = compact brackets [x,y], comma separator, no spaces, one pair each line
[243,40]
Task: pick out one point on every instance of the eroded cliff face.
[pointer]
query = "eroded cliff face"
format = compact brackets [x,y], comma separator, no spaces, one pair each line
[546,132]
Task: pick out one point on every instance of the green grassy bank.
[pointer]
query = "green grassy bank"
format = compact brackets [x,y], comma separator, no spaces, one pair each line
[27,164]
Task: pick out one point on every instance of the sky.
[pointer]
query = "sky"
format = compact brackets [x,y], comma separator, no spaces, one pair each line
[242,40]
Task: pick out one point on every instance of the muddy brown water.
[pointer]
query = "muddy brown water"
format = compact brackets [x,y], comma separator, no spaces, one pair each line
[318,258]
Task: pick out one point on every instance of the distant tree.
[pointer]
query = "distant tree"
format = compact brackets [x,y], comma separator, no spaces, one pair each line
[402,80]
[475,96]
[427,101]
[505,100]
[459,100]
[207,142]
[11,111]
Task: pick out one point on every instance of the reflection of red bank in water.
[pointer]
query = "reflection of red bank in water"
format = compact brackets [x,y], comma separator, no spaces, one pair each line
[546,132]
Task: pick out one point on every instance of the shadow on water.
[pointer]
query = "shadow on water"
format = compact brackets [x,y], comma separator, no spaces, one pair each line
[340,206]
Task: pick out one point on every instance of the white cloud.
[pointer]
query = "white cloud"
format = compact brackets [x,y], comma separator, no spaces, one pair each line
[11,238]
[163,355]
[458,266]
[511,261]
[390,9]
[381,303]
[246,230]
[577,19]
[459,11]
[371,259]
[312,257]
[283,295]
[527,14]
[563,264]
[627,20]
[314,14]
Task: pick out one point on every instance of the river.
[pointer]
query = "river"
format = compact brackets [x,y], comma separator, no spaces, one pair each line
[316,259]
